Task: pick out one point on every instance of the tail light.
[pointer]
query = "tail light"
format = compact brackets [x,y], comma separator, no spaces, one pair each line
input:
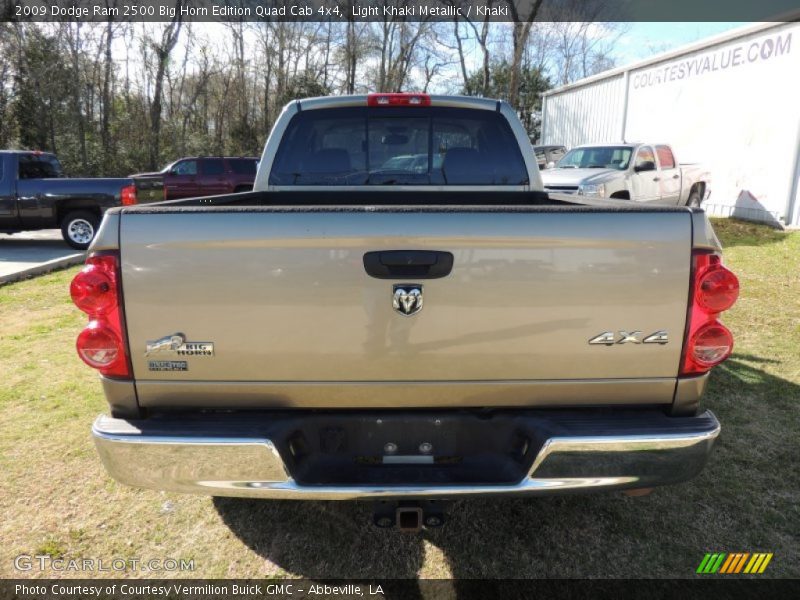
[128,195]
[714,290]
[99,346]
[716,287]
[96,291]
[398,100]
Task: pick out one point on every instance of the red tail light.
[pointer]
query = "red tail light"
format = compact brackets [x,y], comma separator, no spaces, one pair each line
[717,288]
[128,195]
[99,346]
[398,100]
[714,290]
[711,344]
[95,290]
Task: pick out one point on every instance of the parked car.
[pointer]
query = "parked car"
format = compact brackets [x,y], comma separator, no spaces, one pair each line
[35,194]
[640,172]
[208,176]
[548,156]
[357,327]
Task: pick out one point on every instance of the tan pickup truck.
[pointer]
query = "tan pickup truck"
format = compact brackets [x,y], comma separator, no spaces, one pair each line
[399,312]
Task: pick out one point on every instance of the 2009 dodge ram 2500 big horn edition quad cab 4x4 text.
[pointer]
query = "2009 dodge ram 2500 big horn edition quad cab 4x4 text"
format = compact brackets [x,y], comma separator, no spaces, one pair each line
[34,194]
[638,172]
[360,326]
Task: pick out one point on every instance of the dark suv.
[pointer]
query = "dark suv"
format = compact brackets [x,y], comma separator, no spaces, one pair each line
[209,176]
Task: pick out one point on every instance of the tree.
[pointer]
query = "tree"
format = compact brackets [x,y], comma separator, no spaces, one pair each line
[113,98]
[162,49]
[398,48]
[531,83]
[106,98]
[581,49]
[74,38]
[41,89]
[521,30]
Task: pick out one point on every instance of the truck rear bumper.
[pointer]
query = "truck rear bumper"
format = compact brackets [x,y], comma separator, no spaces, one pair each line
[339,456]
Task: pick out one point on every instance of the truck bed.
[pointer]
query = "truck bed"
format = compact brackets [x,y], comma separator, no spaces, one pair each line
[410,199]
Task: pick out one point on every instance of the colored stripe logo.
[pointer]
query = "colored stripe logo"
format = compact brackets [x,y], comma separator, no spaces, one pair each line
[733,563]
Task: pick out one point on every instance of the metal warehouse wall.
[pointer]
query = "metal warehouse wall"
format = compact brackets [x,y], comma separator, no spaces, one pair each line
[590,112]
[732,103]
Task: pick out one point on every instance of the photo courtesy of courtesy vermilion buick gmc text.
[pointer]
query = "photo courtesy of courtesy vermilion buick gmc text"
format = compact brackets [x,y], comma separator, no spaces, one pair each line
[399,312]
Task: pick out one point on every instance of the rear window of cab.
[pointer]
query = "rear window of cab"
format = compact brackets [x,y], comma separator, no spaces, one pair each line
[398,146]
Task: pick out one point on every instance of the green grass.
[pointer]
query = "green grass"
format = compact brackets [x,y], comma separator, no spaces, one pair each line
[56,498]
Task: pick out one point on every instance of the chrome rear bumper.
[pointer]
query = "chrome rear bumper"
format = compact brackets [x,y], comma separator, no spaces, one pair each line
[251,465]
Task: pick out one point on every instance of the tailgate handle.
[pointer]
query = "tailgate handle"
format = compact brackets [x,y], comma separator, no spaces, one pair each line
[416,264]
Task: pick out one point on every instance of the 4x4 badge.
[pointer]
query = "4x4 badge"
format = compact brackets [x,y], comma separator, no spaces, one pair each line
[609,338]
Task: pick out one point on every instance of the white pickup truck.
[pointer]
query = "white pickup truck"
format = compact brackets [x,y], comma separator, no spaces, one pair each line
[366,324]
[639,172]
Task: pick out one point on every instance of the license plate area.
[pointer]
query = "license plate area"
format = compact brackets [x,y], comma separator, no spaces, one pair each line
[409,449]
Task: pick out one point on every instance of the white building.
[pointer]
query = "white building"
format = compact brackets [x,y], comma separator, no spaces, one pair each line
[731,101]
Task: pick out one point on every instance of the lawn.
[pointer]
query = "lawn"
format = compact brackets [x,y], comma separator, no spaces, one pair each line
[57,500]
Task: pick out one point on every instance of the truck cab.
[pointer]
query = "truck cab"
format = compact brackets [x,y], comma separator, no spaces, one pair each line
[642,172]
[19,173]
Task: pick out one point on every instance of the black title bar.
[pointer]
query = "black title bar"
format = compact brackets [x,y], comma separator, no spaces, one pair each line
[406,589]
[398,10]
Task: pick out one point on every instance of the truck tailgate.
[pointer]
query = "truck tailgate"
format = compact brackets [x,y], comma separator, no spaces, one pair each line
[295,320]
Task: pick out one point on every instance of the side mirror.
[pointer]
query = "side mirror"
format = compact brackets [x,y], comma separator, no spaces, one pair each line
[550,165]
[646,165]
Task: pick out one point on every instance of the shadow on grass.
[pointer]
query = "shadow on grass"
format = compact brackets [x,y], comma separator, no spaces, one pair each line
[745,500]
[735,232]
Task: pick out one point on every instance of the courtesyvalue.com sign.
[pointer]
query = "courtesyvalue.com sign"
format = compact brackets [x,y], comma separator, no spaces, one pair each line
[761,49]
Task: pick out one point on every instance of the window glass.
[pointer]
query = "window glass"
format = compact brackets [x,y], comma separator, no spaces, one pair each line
[665,157]
[39,166]
[387,146]
[243,166]
[398,150]
[597,157]
[645,155]
[185,167]
[213,166]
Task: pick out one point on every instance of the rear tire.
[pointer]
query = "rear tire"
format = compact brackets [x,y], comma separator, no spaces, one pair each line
[78,228]
[694,199]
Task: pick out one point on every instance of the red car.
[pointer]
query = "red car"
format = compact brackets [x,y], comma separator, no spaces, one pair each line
[208,176]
